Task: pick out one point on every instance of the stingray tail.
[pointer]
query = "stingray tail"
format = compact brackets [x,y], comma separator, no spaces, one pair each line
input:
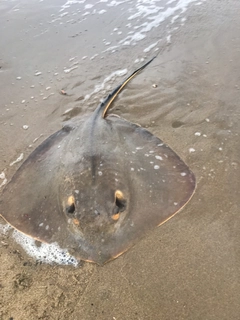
[104,106]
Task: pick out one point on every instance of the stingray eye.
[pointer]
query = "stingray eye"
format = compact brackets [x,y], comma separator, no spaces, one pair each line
[120,205]
[71,204]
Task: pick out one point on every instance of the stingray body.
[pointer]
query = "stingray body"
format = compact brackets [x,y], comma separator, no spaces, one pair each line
[97,187]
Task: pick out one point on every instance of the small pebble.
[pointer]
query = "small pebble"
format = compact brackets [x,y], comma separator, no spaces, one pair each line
[2,175]
[25,127]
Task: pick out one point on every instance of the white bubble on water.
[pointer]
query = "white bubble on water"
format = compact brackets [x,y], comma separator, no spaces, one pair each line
[46,253]
[20,158]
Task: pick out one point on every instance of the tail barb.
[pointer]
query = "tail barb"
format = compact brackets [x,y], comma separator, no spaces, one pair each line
[105,105]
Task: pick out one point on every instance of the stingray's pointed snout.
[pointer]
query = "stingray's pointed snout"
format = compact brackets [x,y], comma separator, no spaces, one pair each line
[100,259]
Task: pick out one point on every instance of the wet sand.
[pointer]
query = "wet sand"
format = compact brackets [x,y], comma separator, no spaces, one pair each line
[189,267]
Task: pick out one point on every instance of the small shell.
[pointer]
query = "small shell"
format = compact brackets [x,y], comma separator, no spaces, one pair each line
[154,85]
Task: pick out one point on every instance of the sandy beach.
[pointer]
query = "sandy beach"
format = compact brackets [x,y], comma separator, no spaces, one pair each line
[188,268]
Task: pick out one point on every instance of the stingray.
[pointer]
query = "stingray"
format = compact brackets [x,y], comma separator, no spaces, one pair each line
[98,186]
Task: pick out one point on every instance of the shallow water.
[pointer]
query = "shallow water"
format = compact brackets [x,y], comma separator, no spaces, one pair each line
[189,267]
